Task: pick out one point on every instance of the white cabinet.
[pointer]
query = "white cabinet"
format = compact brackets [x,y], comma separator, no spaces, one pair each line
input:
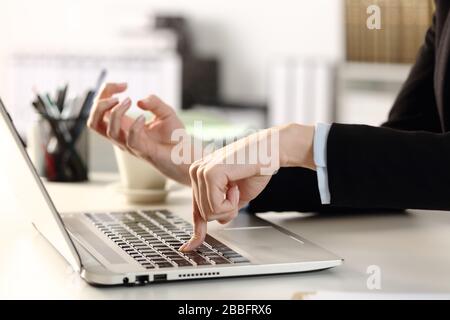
[367,91]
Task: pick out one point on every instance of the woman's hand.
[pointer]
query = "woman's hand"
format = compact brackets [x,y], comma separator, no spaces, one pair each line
[226,180]
[150,141]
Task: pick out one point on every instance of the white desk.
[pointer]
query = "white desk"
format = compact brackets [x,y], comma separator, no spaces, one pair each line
[412,250]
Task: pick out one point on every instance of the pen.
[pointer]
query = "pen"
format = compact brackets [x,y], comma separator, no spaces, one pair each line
[54,115]
[80,121]
[61,98]
[51,102]
[38,106]
[86,106]
[101,79]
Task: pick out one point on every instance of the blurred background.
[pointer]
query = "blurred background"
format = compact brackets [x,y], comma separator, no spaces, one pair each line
[236,64]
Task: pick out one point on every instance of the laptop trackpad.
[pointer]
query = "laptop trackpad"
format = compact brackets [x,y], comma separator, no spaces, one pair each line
[264,244]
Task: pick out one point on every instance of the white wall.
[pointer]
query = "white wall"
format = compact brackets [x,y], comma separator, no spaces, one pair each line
[246,34]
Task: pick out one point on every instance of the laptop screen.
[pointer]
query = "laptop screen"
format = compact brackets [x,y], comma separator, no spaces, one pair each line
[22,185]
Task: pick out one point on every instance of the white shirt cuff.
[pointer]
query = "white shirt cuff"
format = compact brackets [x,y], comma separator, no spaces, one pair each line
[320,160]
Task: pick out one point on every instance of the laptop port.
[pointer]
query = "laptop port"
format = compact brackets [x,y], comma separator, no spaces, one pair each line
[142,279]
[160,277]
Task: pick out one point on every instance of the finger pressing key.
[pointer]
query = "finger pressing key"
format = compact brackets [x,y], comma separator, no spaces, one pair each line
[199,232]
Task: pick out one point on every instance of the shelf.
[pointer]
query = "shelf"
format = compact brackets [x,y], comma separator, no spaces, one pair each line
[373,72]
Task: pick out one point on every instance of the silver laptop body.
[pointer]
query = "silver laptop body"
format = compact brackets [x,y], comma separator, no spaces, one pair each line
[138,247]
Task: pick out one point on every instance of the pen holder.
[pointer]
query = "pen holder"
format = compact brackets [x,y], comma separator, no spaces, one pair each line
[56,156]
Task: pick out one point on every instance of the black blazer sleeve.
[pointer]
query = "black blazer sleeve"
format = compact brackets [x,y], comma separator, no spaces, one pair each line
[377,167]
[383,167]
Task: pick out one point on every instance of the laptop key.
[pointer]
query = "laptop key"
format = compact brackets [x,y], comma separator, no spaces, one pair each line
[219,260]
[173,254]
[183,263]
[159,259]
[238,259]
[168,250]
[199,260]
[164,264]
[212,241]
[209,253]
[235,255]
[141,247]
[175,257]
[147,251]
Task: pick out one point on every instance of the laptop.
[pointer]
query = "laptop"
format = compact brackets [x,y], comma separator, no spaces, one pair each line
[140,246]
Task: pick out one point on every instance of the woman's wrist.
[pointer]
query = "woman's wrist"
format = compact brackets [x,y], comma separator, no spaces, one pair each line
[297,146]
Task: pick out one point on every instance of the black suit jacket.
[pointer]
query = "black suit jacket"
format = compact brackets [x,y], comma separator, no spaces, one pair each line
[403,164]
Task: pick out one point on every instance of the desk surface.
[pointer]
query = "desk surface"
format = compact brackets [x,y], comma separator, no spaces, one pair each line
[411,249]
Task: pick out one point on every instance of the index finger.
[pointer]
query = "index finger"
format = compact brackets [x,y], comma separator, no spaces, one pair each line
[155,105]
[109,89]
[200,226]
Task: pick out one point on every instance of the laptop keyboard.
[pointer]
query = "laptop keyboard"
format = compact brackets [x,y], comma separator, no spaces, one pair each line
[152,238]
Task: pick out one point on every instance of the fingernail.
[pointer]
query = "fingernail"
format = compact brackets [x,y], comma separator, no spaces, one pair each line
[141,118]
[236,195]
[188,246]
[127,100]
[182,247]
